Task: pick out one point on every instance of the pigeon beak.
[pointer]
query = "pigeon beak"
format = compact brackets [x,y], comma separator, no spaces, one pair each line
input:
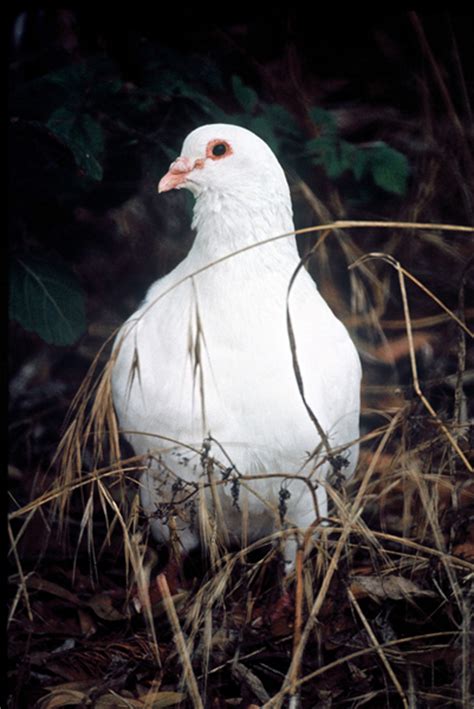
[176,175]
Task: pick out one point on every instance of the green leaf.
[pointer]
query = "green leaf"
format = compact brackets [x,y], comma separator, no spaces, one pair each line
[281,119]
[246,96]
[163,68]
[360,162]
[324,120]
[83,136]
[200,100]
[47,299]
[263,128]
[72,78]
[389,169]
[346,155]
[163,82]
[326,152]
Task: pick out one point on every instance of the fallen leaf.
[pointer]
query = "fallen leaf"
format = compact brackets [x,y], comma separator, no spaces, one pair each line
[242,674]
[161,700]
[102,605]
[381,587]
[465,551]
[87,623]
[81,685]
[63,697]
[115,700]
[35,581]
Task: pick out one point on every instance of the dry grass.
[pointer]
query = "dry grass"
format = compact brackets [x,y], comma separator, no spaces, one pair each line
[382,596]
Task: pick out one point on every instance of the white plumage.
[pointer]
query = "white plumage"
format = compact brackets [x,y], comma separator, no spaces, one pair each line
[207,356]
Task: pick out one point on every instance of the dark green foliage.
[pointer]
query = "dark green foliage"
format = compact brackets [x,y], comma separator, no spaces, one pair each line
[247,97]
[387,167]
[83,136]
[46,299]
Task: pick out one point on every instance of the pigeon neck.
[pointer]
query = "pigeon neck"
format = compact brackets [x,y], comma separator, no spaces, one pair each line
[226,223]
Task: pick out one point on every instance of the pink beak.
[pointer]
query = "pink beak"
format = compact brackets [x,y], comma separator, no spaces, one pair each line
[176,175]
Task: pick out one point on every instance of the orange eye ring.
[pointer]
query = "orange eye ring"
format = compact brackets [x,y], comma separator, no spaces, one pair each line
[218,149]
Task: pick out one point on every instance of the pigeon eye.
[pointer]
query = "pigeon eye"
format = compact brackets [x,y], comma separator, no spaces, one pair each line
[219,149]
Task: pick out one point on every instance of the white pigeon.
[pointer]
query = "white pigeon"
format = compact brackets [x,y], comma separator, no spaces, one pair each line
[205,382]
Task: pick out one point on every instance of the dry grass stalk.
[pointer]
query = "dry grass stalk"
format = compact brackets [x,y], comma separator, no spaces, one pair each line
[22,590]
[448,635]
[416,384]
[189,676]
[378,648]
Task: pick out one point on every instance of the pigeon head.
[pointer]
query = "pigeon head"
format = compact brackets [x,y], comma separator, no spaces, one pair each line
[226,159]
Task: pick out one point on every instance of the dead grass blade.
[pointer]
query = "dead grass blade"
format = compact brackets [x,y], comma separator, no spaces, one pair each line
[189,676]
[378,648]
[416,382]
[294,355]
[134,555]
[367,651]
